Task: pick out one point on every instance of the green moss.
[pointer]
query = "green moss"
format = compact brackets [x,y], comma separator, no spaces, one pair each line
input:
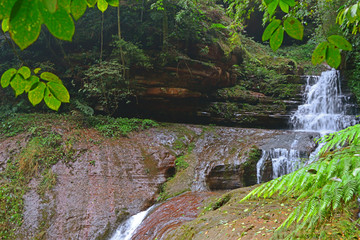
[218,203]
[181,164]
[116,127]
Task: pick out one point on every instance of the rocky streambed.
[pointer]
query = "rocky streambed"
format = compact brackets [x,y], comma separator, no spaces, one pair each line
[106,180]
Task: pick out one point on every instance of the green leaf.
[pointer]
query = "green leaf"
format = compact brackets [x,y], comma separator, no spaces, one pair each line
[102,5]
[59,23]
[113,3]
[25,23]
[78,8]
[65,4]
[91,3]
[5,8]
[18,84]
[333,57]
[50,5]
[31,81]
[267,2]
[37,94]
[270,29]
[340,42]
[5,25]
[37,70]
[294,28]
[7,76]
[284,6]
[272,7]
[51,101]
[277,38]
[291,3]
[50,77]
[59,91]
[25,72]
[319,54]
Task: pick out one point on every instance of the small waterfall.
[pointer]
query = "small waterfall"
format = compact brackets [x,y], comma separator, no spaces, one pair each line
[325,110]
[325,106]
[127,229]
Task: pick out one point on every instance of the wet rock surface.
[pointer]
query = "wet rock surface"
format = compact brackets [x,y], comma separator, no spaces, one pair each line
[300,141]
[170,215]
[109,179]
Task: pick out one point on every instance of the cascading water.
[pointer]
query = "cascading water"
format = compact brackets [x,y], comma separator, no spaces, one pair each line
[325,110]
[127,229]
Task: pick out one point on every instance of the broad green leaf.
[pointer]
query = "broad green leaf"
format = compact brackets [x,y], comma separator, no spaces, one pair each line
[270,29]
[59,23]
[59,91]
[48,76]
[91,3]
[272,7]
[7,76]
[319,54]
[340,42]
[51,101]
[277,38]
[37,94]
[102,5]
[333,57]
[65,4]
[31,82]
[5,24]
[291,3]
[267,2]
[5,8]
[25,72]
[78,8]
[284,6]
[294,28]
[37,70]
[50,5]
[18,84]
[113,3]
[25,23]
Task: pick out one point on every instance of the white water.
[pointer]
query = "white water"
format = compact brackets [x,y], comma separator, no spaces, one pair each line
[127,229]
[324,111]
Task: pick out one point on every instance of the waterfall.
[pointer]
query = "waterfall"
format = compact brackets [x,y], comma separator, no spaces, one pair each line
[127,229]
[325,106]
[324,111]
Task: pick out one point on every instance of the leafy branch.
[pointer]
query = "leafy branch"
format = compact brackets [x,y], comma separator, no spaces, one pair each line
[47,86]
[329,51]
[23,20]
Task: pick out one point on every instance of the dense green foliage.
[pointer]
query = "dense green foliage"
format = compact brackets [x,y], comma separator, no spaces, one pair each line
[323,188]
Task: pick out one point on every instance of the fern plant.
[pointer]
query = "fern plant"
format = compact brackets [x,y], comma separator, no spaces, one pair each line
[324,188]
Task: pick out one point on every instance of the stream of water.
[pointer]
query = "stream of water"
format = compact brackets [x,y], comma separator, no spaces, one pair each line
[127,229]
[325,110]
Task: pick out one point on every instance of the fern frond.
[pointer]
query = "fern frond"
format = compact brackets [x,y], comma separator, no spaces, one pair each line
[336,182]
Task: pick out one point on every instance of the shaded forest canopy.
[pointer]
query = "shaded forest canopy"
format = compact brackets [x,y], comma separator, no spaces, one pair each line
[176,49]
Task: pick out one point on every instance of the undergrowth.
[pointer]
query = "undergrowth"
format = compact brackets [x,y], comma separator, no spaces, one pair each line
[323,188]
[116,127]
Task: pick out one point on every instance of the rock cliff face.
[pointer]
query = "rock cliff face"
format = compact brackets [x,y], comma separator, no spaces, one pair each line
[214,87]
[109,179]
